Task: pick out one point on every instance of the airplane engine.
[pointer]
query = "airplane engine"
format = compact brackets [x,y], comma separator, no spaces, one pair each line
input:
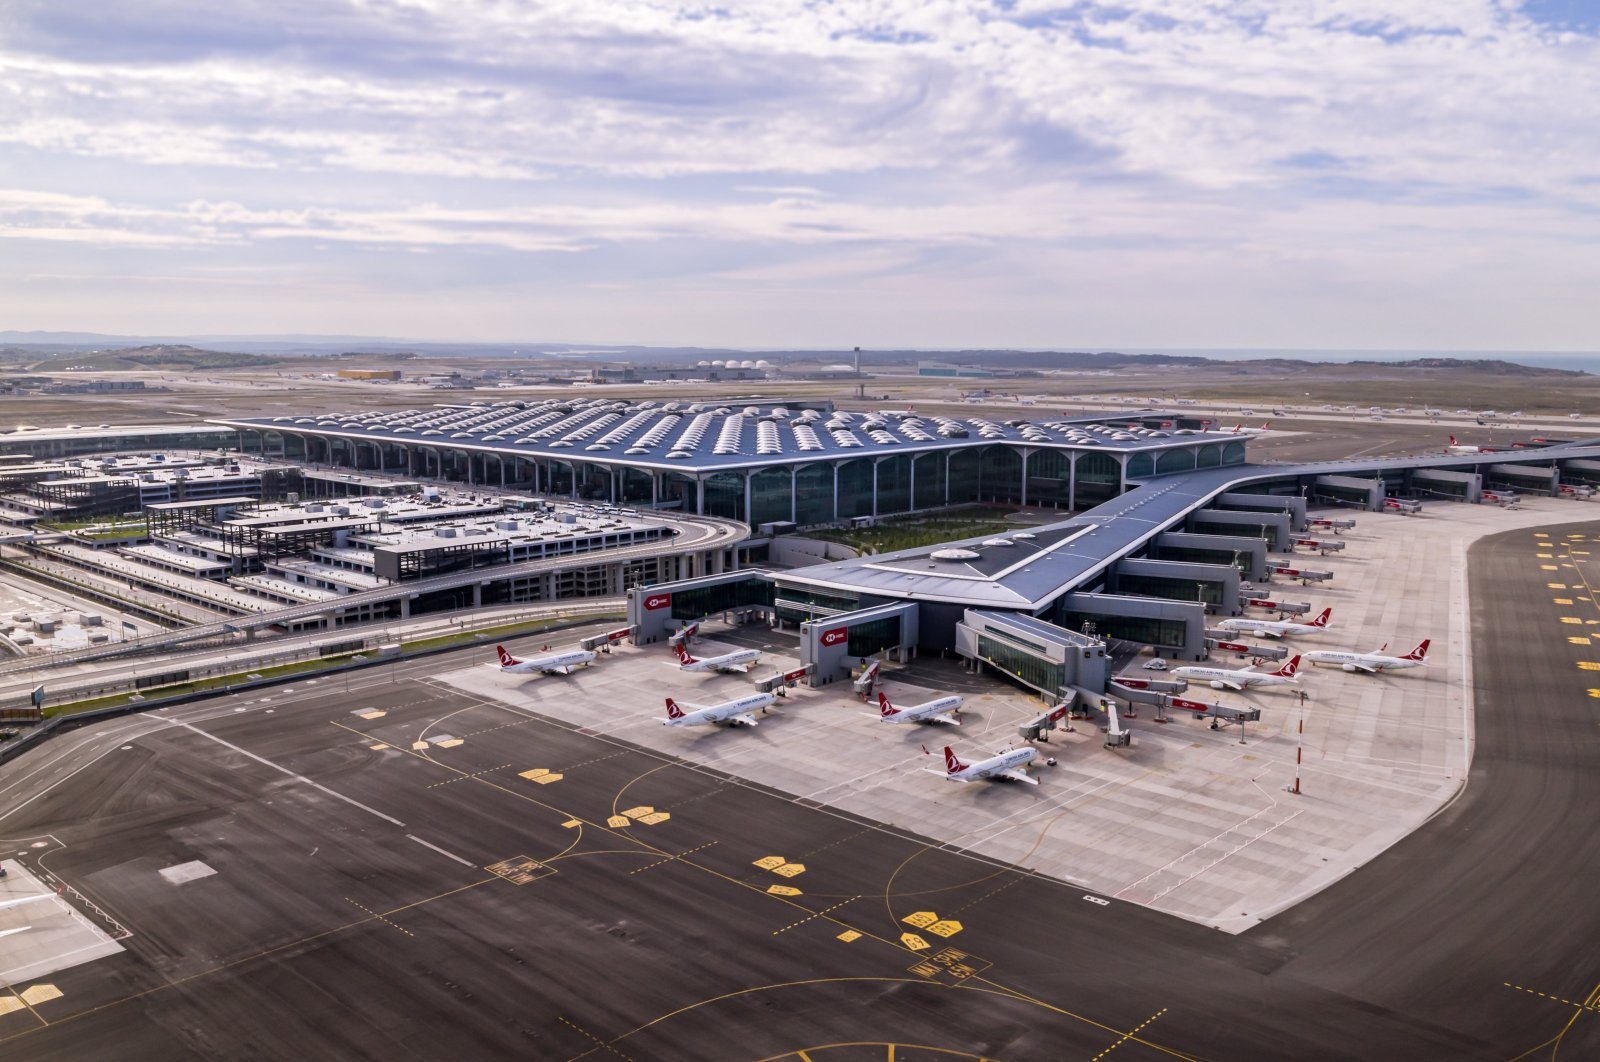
[1349,667]
[1219,685]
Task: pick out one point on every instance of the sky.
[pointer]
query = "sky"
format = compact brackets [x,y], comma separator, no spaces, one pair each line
[1415,174]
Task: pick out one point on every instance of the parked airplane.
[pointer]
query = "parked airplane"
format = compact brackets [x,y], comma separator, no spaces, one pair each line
[1373,662]
[1006,767]
[938,710]
[1464,450]
[1263,628]
[728,713]
[739,660]
[1242,678]
[1240,429]
[549,664]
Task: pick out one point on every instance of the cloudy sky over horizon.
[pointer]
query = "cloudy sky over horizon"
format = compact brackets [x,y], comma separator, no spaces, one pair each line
[1146,173]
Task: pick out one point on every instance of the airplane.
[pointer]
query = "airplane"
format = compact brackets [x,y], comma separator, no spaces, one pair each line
[1240,429]
[1262,628]
[1373,662]
[728,713]
[938,710]
[20,900]
[1465,450]
[739,660]
[1229,678]
[1006,767]
[549,664]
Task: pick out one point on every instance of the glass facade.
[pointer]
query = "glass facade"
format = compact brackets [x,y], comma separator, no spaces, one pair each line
[1209,457]
[725,495]
[1173,589]
[874,636]
[930,481]
[1099,480]
[771,495]
[707,600]
[894,484]
[964,476]
[1001,473]
[855,488]
[1022,665]
[1170,461]
[1233,453]
[813,494]
[1049,477]
[1141,466]
[1167,633]
[636,486]
[675,486]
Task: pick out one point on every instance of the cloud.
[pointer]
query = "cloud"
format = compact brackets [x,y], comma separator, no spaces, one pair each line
[794,143]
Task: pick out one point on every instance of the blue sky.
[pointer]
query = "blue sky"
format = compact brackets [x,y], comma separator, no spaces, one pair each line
[1188,173]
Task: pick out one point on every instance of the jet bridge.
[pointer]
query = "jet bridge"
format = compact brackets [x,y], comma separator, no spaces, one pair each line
[832,647]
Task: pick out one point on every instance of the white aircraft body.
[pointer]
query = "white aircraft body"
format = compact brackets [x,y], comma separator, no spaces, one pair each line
[1264,628]
[728,713]
[740,660]
[1228,678]
[1006,767]
[20,900]
[550,664]
[1463,449]
[938,710]
[1373,662]
[1240,429]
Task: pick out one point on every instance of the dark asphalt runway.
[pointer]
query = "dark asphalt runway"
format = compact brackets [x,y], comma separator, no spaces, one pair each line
[352,914]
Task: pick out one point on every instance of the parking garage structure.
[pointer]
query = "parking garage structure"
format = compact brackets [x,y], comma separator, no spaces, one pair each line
[756,464]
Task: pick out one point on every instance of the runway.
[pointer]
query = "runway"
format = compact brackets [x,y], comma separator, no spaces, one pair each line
[516,886]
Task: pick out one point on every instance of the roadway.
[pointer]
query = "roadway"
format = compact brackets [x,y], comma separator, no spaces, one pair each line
[351,915]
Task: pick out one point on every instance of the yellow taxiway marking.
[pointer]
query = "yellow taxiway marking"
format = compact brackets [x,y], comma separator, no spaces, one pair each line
[450,743]
[1588,665]
[1130,1034]
[820,914]
[8,1004]
[639,812]
[1544,556]
[617,822]
[379,917]
[1571,619]
[1561,600]
[770,862]
[419,745]
[914,942]
[598,1042]
[373,714]
[782,890]
[542,775]
[465,777]
[920,919]
[1556,586]
[1579,639]
[790,870]
[570,823]
[1551,998]
[848,935]
[379,747]
[1548,568]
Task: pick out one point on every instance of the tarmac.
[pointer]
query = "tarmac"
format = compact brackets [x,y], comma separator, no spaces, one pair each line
[400,870]
[1191,821]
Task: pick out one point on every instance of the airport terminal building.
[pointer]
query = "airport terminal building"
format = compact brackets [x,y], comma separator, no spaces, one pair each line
[806,464]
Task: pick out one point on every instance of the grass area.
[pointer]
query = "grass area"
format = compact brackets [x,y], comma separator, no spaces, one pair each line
[304,667]
[912,532]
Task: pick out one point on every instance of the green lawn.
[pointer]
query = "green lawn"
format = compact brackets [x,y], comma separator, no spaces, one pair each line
[912,532]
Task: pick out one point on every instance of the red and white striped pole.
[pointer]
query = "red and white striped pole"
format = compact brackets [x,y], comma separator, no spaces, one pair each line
[1299,737]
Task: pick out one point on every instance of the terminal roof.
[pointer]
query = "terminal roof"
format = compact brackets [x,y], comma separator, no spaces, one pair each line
[709,436]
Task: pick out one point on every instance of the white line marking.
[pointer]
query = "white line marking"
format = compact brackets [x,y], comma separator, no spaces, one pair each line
[441,851]
[292,774]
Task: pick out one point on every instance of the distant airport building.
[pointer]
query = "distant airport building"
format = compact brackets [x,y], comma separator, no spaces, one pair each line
[751,463]
[965,372]
[370,374]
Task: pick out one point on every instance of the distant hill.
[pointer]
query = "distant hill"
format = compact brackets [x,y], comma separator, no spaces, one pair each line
[1489,366]
[161,356]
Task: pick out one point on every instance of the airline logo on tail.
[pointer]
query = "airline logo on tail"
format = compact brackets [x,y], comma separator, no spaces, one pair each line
[951,764]
[683,655]
[1321,620]
[1288,670]
[1420,652]
[673,711]
[886,709]
[506,659]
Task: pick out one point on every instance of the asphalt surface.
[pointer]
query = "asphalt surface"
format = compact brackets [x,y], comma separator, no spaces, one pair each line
[332,930]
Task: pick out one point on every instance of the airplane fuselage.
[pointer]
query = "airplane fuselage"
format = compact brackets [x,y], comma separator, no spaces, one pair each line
[729,713]
[995,767]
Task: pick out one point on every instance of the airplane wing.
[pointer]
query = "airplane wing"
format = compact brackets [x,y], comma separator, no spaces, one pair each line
[743,669]
[743,719]
[1016,774]
[1231,684]
[1368,668]
[948,718]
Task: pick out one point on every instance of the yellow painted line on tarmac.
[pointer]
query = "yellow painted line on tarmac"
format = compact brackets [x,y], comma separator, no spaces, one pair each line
[1561,600]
